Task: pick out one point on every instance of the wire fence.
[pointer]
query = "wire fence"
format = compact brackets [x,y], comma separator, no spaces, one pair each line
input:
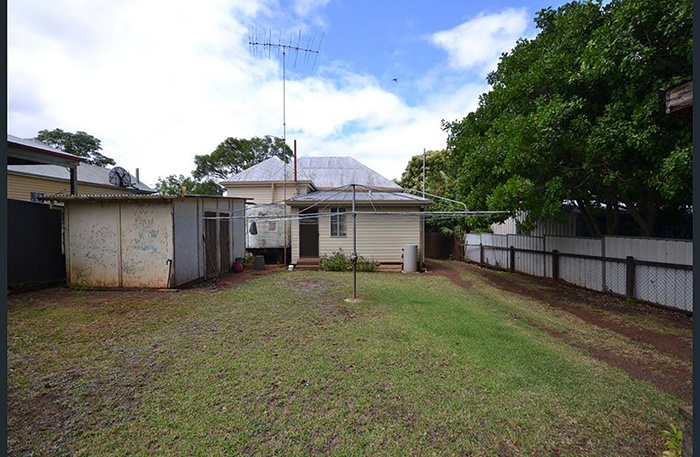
[583,262]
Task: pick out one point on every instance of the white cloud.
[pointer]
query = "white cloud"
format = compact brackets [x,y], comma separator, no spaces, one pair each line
[479,42]
[160,81]
[304,7]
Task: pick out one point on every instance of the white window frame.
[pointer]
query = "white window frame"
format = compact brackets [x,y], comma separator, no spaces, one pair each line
[339,225]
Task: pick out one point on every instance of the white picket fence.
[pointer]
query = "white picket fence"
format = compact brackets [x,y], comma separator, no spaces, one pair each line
[654,270]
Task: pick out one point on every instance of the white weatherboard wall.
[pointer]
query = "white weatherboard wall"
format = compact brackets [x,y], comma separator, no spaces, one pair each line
[380,237]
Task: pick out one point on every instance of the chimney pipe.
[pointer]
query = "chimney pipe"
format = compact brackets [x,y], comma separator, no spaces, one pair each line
[295,161]
[137,176]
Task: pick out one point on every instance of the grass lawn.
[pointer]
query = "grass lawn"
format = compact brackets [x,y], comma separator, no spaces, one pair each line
[282,365]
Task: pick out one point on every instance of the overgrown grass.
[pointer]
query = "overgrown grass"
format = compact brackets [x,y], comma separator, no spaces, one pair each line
[284,366]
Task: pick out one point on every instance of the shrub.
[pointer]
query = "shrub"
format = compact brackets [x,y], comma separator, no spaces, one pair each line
[340,261]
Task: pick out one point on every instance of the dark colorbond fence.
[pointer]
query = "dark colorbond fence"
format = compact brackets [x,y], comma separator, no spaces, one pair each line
[34,251]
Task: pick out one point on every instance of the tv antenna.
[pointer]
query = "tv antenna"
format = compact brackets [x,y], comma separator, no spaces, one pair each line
[259,48]
[265,47]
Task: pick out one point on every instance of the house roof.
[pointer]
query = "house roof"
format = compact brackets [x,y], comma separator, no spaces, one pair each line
[30,151]
[362,196]
[87,174]
[322,172]
[65,197]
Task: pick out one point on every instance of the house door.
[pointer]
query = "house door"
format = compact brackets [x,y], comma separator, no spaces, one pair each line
[308,234]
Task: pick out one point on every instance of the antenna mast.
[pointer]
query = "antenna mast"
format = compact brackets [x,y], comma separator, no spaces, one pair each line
[266,46]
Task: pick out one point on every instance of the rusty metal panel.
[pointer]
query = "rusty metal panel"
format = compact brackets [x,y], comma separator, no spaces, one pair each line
[93,237]
[146,243]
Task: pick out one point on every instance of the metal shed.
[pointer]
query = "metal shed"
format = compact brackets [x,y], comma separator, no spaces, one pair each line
[151,241]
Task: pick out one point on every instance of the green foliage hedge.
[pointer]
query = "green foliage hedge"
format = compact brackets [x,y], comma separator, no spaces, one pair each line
[340,261]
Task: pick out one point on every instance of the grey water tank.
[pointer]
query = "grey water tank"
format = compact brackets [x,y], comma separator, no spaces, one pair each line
[410,258]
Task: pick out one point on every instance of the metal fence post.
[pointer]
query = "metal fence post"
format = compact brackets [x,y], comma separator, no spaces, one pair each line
[481,255]
[512,259]
[629,289]
[555,264]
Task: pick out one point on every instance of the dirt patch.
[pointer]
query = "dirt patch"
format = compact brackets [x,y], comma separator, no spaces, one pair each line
[584,304]
[232,280]
[451,273]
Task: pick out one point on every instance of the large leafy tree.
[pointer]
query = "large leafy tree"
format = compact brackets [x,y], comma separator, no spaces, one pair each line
[438,173]
[234,155]
[575,115]
[441,187]
[173,185]
[79,143]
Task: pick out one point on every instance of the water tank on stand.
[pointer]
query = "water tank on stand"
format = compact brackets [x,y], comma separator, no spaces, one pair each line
[410,258]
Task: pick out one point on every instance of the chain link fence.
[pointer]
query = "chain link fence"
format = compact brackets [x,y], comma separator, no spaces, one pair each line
[662,283]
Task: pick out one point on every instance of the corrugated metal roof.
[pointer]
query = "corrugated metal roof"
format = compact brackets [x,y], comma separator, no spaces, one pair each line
[36,144]
[361,195]
[65,197]
[323,172]
[87,173]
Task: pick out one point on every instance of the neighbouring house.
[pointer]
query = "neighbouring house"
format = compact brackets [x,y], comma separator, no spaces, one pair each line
[34,171]
[150,241]
[34,248]
[33,182]
[307,206]
[570,224]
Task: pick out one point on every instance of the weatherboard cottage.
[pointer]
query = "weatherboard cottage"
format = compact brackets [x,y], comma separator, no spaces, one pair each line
[314,197]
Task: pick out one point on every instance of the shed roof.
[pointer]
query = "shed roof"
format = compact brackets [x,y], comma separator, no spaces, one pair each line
[323,172]
[87,173]
[361,196]
[65,197]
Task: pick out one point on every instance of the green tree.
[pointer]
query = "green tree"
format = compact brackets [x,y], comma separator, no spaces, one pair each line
[440,185]
[172,185]
[79,143]
[574,115]
[234,155]
[436,173]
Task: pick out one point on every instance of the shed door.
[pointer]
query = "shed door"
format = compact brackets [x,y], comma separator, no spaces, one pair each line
[210,243]
[308,234]
[224,242]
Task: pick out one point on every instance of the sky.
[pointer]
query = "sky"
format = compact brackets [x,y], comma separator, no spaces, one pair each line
[159,82]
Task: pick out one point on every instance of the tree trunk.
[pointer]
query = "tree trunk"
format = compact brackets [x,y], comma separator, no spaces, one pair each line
[588,219]
[646,224]
[612,217]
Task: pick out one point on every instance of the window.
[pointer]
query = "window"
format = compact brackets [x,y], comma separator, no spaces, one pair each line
[338,222]
[37,197]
